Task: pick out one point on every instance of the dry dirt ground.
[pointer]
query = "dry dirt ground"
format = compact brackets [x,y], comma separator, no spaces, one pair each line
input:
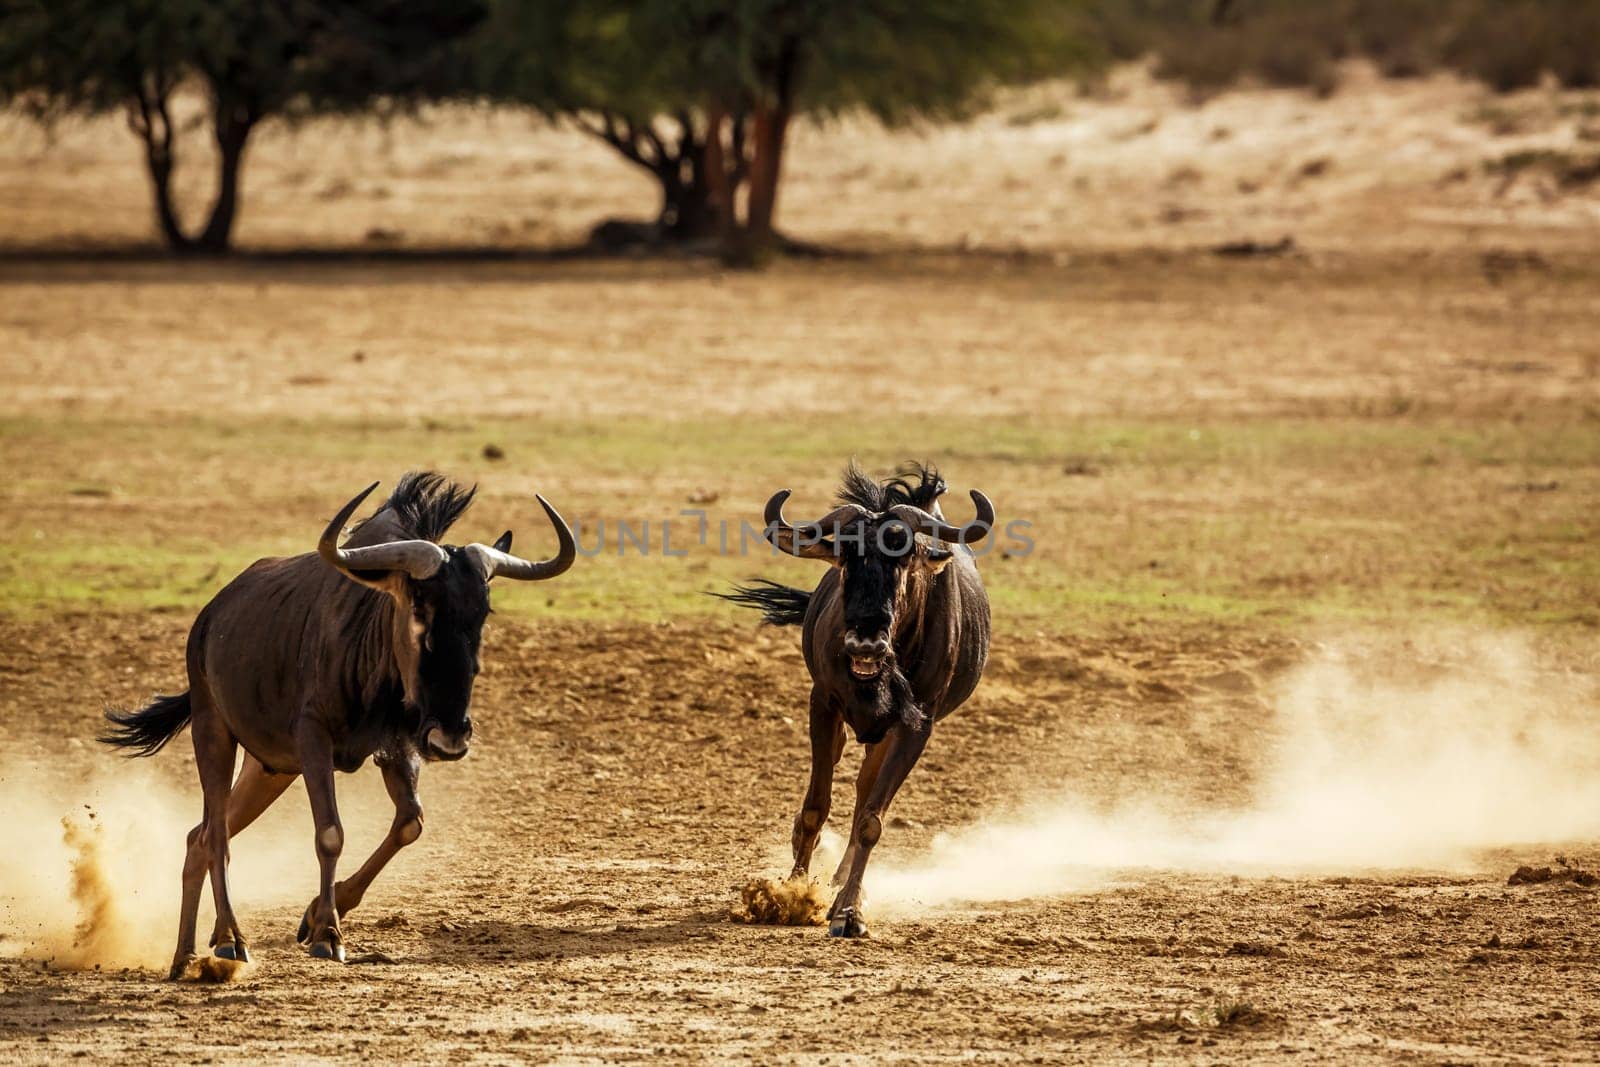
[572,899]
[1230,463]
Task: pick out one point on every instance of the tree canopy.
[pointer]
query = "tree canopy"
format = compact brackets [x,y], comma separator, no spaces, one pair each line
[701,92]
[251,59]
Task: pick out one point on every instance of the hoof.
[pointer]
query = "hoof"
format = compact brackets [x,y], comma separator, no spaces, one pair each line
[847,923]
[232,951]
[179,965]
[328,950]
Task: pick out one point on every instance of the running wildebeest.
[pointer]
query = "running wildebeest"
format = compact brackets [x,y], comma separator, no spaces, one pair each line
[313,663]
[895,636]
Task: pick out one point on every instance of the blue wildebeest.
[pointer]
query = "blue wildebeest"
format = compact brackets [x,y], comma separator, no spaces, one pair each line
[895,637]
[312,664]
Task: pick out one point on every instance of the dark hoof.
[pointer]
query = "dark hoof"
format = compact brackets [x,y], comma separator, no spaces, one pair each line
[233,951]
[328,950]
[847,923]
[180,964]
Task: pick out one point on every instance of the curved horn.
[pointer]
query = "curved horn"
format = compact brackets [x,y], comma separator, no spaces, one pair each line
[971,533]
[420,559]
[791,539]
[495,563]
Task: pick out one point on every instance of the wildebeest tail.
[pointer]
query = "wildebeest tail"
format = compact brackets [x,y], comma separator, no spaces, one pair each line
[147,730]
[779,605]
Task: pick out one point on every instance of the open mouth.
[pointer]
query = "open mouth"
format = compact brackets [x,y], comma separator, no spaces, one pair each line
[865,670]
[445,747]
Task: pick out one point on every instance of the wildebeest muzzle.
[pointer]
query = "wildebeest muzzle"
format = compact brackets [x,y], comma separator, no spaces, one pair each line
[867,655]
[441,743]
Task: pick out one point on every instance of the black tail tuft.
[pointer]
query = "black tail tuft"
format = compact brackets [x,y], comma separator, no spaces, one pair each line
[148,730]
[779,604]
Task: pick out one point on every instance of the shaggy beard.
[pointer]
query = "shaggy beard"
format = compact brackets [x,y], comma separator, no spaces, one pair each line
[893,699]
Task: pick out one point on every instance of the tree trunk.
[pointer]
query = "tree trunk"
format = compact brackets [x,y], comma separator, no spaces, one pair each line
[160,166]
[716,172]
[153,123]
[751,244]
[150,118]
[232,135]
[770,128]
[688,209]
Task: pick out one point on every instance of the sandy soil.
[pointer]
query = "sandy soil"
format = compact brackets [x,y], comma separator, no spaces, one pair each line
[1142,335]
[571,897]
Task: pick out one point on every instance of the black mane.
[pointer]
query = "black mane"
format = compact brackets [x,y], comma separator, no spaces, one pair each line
[424,505]
[917,484]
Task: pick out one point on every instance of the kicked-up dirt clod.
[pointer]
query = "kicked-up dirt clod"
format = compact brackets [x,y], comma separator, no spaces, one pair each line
[790,902]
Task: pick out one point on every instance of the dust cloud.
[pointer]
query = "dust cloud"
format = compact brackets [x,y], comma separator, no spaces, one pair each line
[1410,755]
[89,872]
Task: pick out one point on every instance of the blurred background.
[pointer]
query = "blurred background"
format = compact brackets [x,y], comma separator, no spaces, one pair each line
[805,126]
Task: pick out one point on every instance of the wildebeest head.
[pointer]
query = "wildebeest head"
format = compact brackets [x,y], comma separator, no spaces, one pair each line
[440,594]
[886,540]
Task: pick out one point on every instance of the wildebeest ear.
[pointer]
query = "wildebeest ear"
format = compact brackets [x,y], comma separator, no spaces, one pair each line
[503,542]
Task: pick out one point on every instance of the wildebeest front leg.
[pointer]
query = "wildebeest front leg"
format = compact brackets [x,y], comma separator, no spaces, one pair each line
[870,764]
[827,745]
[316,763]
[902,748]
[400,778]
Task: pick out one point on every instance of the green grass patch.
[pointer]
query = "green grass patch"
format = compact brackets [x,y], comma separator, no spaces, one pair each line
[1250,519]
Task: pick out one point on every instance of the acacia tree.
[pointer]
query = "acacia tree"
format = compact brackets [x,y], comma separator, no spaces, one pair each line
[701,93]
[251,60]
[625,74]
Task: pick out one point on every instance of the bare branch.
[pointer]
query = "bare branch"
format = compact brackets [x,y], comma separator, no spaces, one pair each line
[613,136]
[740,170]
[686,135]
[664,159]
[587,127]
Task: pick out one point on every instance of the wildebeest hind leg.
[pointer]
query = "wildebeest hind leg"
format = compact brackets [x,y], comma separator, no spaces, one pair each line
[400,778]
[253,793]
[827,745]
[902,748]
[870,764]
[214,750]
[194,876]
